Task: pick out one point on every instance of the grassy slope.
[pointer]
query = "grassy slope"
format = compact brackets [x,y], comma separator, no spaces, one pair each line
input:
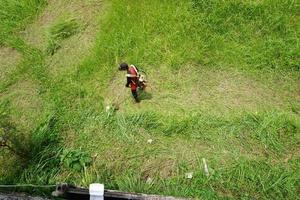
[227,92]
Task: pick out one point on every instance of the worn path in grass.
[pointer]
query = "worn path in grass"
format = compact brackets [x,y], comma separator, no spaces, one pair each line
[75,48]
[28,74]
[195,88]
[9,58]
[25,90]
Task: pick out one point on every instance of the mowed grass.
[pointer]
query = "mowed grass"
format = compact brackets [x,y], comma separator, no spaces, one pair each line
[223,85]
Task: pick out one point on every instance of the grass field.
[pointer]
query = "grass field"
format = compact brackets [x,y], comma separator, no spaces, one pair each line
[224,85]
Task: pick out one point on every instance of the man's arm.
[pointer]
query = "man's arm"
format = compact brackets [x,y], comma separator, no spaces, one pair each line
[128,82]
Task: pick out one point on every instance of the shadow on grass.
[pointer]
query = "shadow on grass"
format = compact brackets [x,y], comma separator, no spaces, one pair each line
[143,95]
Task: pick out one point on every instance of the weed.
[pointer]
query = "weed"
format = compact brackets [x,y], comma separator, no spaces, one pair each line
[75,159]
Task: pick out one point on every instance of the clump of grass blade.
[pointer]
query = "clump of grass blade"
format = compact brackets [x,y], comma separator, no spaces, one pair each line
[59,31]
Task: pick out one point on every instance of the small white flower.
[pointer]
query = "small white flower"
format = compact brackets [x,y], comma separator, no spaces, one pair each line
[189,175]
[107,108]
[149,141]
[149,180]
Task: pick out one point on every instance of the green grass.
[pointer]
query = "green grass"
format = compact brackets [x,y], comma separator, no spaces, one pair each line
[15,15]
[223,85]
[59,31]
[254,35]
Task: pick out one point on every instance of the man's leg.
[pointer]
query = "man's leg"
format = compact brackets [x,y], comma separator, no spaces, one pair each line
[135,96]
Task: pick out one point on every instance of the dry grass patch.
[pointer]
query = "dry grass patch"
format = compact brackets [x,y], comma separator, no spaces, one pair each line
[9,58]
[26,104]
[197,88]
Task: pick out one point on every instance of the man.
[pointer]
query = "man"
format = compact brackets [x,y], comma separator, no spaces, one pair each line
[132,79]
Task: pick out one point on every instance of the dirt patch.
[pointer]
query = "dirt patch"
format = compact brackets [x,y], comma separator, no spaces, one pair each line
[9,58]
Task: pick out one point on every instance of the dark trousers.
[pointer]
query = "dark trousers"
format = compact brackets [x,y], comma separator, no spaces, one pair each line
[135,96]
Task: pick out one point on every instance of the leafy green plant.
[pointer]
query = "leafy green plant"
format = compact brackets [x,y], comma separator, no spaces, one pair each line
[75,159]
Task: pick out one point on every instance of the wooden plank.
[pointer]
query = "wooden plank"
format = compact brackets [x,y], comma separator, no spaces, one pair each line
[74,193]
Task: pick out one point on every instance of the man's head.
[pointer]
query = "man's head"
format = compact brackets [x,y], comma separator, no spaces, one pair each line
[123,66]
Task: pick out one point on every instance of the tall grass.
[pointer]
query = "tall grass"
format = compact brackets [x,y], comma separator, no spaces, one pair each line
[259,36]
[250,155]
[276,132]
[36,152]
[254,166]
[14,15]
[265,32]
[247,35]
